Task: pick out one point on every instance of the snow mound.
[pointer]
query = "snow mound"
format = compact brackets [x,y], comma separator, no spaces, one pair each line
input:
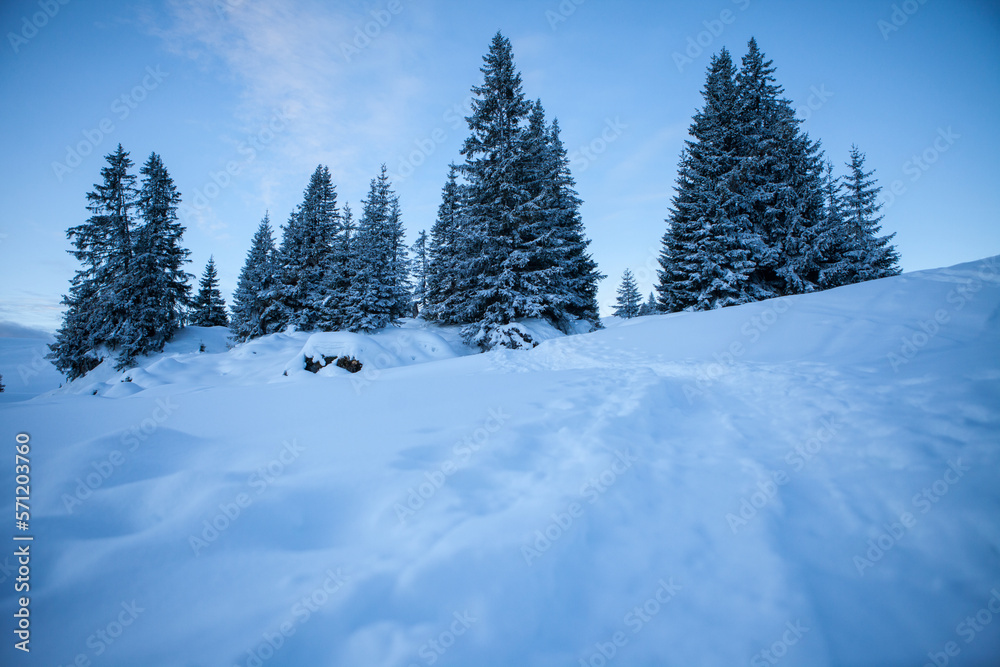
[204,357]
[385,349]
[812,480]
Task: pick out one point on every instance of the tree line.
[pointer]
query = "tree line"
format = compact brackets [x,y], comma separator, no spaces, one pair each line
[758,213]
[508,242]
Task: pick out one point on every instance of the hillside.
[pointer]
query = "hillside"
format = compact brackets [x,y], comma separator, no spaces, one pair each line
[814,479]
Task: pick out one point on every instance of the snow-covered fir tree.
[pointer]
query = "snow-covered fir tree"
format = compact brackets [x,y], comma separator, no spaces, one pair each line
[756,215]
[650,307]
[208,307]
[445,265]
[156,286]
[255,312]
[629,299]
[399,258]
[418,270]
[103,246]
[379,292]
[833,241]
[306,253]
[496,202]
[579,275]
[870,256]
[780,189]
[520,241]
[704,262]
[337,284]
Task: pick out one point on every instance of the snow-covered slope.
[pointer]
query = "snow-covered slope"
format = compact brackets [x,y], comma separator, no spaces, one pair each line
[808,481]
[26,372]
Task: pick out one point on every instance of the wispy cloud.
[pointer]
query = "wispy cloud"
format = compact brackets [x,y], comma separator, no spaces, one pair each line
[340,75]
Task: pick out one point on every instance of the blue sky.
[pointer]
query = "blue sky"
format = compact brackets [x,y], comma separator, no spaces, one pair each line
[243,98]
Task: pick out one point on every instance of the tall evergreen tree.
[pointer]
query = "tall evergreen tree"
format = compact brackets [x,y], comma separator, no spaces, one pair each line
[255,312]
[208,308]
[704,263]
[629,299]
[306,253]
[333,311]
[781,188]
[871,256]
[579,275]
[156,287]
[103,245]
[378,291]
[833,241]
[498,202]
[399,260]
[420,262]
[446,258]
[508,242]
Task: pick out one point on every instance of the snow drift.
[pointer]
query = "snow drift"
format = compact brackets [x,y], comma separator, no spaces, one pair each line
[812,480]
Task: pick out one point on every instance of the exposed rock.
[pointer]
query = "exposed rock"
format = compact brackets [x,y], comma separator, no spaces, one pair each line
[313,365]
[350,364]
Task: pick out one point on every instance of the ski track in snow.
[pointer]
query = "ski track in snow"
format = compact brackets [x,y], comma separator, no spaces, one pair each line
[516,508]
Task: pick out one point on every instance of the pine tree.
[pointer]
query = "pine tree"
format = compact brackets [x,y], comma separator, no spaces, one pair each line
[419,270]
[650,307]
[496,288]
[870,256]
[104,246]
[208,308]
[2,387]
[627,304]
[337,285]
[399,261]
[508,242]
[254,309]
[156,286]
[781,187]
[378,292]
[704,263]
[306,253]
[833,241]
[579,275]
[446,258]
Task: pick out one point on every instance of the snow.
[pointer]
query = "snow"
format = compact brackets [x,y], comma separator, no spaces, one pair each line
[26,373]
[817,477]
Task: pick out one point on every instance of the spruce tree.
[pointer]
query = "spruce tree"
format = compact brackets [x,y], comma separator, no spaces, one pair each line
[419,270]
[780,187]
[870,256]
[833,242]
[306,253]
[378,292]
[579,275]
[508,242]
[333,310]
[156,287]
[446,259]
[497,202]
[254,311]
[103,245]
[399,261]
[627,303]
[650,307]
[208,308]
[704,262]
